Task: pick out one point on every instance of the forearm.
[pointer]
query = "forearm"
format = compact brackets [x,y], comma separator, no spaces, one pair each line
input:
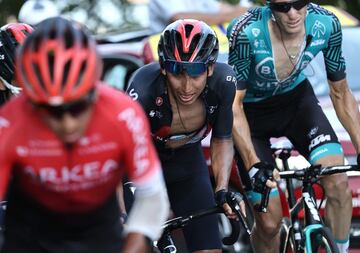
[347,110]
[135,243]
[242,137]
[150,208]
[120,196]
[222,154]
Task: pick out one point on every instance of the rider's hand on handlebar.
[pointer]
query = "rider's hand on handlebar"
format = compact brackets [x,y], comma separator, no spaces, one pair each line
[261,174]
[358,160]
[223,197]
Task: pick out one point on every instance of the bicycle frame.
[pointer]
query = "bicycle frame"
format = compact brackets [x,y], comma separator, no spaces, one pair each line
[312,217]
[313,223]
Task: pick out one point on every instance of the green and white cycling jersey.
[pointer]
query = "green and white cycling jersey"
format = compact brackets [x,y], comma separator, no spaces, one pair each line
[251,51]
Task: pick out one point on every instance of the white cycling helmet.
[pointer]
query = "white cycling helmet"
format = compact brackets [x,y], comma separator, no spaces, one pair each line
[33,12]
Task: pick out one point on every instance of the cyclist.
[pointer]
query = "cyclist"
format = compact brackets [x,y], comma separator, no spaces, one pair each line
[269,48]
[64,162]
[11,35]
[186,94]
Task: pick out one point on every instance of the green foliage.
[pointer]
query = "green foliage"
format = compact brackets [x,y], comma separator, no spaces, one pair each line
[10,8]
[352,6]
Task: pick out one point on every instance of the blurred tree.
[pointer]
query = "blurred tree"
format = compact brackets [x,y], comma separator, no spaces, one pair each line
[352,6]
[97,21]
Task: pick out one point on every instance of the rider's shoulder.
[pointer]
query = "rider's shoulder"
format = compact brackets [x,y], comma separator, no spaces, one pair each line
[111,103]
[14,115]
[147,83]
[318,14]
[252,15]
[16,107]
[145,73]
[223,77]
[111,96]
[223,69]
[243,25]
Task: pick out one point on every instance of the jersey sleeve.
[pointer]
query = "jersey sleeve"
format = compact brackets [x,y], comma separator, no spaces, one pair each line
[334,60]
[240,53]
[226,88]
[5,157]
[141,160]
[138,88]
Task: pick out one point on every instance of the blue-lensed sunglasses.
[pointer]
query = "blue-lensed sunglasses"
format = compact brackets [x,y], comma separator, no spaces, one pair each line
[193,69]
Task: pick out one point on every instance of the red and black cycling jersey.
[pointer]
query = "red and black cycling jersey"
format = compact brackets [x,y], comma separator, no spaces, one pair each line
[148,86]
[82,177]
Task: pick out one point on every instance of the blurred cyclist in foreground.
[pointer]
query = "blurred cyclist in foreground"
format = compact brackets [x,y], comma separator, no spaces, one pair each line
[65,143]
[11,35]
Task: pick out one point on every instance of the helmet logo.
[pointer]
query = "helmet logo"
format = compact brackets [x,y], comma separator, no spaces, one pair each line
[159,101]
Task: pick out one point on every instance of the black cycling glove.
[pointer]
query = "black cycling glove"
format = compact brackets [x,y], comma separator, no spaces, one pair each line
[259,173]
[224,196]
[358,160]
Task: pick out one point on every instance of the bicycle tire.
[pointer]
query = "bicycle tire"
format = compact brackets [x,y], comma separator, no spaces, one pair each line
[322,241]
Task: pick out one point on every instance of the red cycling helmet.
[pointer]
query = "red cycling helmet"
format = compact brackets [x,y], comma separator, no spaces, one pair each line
[11,35]
[58,63]
[188,40]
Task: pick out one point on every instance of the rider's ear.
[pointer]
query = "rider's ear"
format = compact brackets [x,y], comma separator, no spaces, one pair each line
[210,70]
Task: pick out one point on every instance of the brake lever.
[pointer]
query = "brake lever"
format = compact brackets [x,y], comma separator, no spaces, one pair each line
[235,199]
[262,208]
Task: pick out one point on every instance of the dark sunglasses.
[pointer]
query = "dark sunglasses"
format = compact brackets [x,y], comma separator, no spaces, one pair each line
[193,69]
[75,109]
[286,6]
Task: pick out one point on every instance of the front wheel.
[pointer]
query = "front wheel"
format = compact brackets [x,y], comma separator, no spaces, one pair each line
[322,241]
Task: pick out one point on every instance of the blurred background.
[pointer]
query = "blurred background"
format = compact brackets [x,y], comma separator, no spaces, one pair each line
[117,16]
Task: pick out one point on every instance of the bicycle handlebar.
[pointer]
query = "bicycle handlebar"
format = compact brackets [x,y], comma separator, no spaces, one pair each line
[180,222]
[314,172]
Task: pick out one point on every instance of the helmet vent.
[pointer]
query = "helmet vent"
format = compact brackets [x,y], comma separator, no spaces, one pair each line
[81,74]
[66,72]
[69,39]
[51,59]
[188,29]
[38,74]
[185,56]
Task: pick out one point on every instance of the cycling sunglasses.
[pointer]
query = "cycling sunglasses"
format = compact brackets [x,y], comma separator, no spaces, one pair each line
[193,69]
[286,6]
[75,109]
